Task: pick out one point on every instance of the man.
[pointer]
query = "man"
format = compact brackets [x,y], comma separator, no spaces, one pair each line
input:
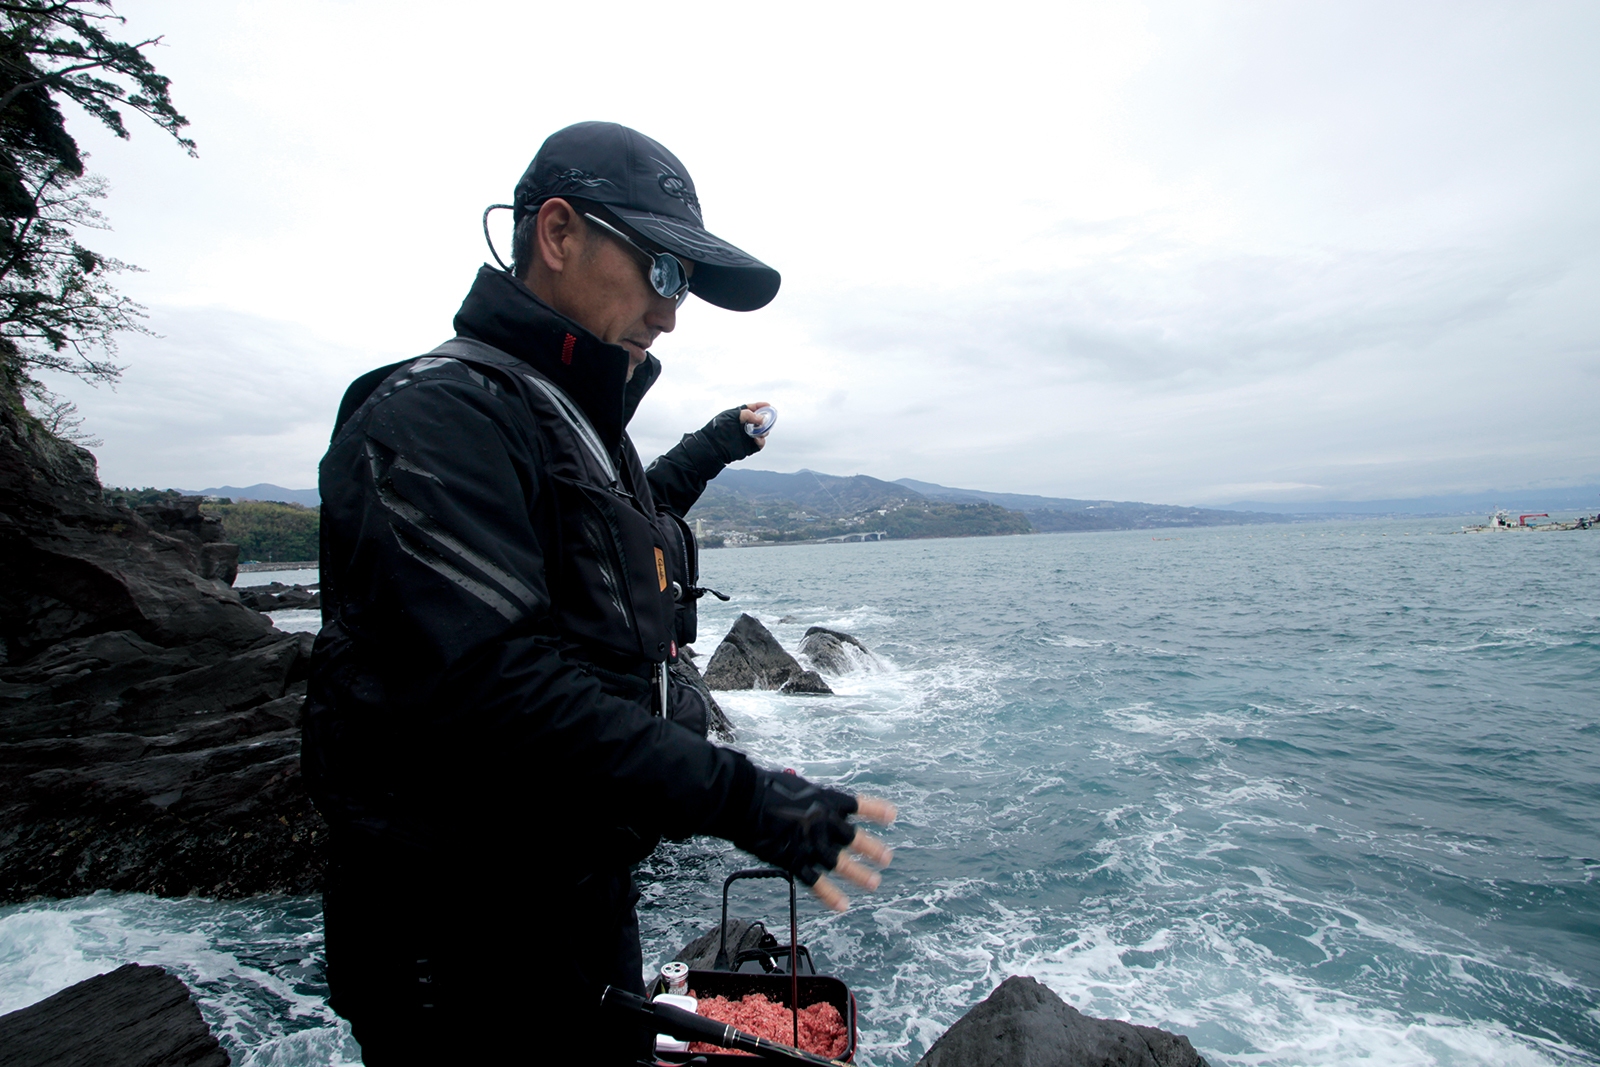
[491,728]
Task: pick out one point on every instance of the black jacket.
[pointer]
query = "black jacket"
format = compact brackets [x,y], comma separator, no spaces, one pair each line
[472,681]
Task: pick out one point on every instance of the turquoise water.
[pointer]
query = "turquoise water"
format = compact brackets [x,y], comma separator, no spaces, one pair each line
[1318,794]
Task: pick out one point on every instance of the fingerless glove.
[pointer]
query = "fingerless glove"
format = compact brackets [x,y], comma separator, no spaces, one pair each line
[798,826]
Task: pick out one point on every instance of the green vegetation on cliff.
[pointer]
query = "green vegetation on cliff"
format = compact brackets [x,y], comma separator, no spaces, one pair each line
[949,520]
[269,532]
[265,531]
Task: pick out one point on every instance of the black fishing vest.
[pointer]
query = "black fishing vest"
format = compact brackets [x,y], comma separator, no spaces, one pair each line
[616,568]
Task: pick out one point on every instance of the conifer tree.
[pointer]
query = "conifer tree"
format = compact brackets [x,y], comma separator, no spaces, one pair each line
[58,309]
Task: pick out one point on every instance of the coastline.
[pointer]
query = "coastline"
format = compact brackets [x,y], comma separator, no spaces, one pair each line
[296,565]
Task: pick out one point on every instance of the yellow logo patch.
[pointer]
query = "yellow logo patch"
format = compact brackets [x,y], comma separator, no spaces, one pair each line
[661,570]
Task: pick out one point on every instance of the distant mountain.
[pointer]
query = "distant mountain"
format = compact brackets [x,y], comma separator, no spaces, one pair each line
[827,495]
[807,501]
[1580,498]
[262,491]
[746,505]
[1066,513]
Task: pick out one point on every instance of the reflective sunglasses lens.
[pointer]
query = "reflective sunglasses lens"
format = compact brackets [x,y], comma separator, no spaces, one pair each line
[666,277]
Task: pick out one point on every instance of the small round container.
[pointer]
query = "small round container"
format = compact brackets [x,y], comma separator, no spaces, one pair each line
[769,417]
[675,976]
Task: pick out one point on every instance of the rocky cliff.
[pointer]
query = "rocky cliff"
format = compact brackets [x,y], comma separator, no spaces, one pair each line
[148,718]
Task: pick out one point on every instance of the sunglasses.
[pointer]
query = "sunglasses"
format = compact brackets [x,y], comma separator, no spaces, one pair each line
[666,271]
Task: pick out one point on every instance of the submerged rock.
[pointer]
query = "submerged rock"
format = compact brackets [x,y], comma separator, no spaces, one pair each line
[276,596]
[751,658]
[830,651]
[132,1015]
[1024,1024]
[807,682]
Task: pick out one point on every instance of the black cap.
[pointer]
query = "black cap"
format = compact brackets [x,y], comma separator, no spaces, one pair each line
[646,187]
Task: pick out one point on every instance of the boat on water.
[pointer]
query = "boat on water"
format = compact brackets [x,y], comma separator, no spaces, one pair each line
[1501,520]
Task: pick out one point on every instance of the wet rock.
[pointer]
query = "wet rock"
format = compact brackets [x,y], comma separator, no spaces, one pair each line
[215,804]
[751,658]
[806,682]
[830,651]
[742,936]
[1024,1024]
[134,1015]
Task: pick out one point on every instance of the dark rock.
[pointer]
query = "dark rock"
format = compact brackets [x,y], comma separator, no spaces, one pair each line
[806,682]
[134,1016]
[743,936]
[216,806]
[74,566]
[241,680]
[70,695]
[179,517]
[828,652]
[684,670]
[276,595]
[751,658]
[1024,1024]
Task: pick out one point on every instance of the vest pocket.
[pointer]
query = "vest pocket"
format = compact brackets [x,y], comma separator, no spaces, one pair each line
[609,583]
[683,572]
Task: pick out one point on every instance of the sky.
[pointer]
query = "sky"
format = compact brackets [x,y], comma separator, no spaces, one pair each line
[1182,252]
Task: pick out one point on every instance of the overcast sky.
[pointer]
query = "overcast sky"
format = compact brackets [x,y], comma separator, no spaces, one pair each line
[1184,252]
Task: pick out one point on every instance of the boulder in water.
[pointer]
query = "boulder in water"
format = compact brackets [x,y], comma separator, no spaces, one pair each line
[807,682]
[830,650]
[132,1015]
[1024,1024]
[276,596]
[751,658]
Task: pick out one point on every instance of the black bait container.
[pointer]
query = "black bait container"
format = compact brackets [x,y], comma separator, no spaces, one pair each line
[769,976]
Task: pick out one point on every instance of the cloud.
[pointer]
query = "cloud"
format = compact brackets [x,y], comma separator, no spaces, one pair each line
[1148,251]
[222,397]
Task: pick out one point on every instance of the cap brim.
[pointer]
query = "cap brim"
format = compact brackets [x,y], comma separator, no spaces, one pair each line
[723,275]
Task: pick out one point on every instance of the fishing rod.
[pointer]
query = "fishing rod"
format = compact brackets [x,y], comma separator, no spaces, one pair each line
[688,1026]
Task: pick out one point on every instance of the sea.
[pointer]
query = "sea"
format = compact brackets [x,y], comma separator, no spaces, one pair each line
[1309,794]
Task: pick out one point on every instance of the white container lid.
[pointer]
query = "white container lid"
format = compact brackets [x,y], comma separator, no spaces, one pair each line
[666,1042]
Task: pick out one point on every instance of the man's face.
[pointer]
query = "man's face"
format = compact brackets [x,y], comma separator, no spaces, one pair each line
[607,292]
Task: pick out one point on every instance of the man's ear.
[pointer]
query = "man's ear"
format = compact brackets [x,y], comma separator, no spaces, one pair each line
[557,237]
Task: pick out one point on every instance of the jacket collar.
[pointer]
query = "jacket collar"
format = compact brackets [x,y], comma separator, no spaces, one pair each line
[500,311]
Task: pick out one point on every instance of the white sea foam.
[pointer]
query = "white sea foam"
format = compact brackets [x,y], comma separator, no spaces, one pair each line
[296,620]
[215,948]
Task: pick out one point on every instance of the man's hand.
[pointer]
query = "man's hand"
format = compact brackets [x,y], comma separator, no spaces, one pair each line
[749,417]
[866,846]
[805,829]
